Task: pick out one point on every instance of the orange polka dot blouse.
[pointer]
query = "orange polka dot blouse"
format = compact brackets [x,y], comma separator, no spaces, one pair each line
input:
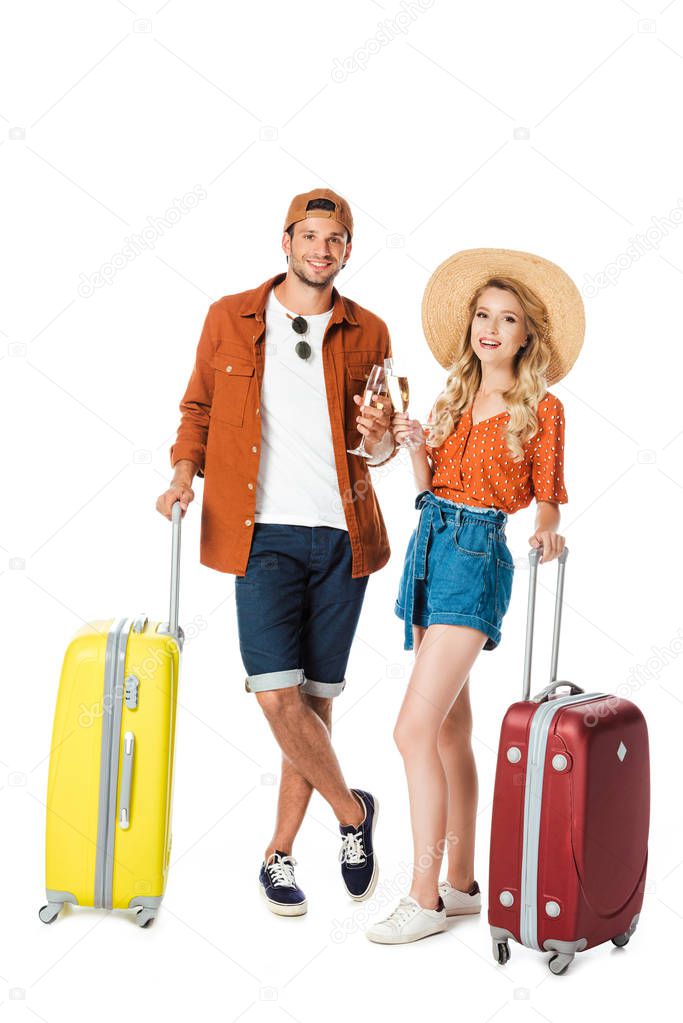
[474,465]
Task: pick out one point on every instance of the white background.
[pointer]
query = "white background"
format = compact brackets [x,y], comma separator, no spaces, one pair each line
[547,128]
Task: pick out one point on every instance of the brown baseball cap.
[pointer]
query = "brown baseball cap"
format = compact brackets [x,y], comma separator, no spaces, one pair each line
[297,209]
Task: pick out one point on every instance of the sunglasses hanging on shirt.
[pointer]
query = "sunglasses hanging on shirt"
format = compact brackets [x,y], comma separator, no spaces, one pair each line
[300,326]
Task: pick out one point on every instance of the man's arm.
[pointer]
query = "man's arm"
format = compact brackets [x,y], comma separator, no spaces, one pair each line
[383,450]
[185,472]
[188,453]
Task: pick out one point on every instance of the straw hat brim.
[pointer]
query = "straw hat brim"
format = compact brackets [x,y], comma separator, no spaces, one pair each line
[451,286]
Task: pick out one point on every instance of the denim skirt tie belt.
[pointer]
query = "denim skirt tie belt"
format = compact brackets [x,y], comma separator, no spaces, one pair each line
[430,511]
[486,575]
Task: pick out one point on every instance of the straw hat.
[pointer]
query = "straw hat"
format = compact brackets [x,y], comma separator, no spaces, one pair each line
[451,286]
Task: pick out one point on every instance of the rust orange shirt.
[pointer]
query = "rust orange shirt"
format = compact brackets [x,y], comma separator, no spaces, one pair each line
[474,465]
[220,426]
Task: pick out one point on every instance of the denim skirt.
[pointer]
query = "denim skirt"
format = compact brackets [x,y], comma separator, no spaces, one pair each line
[458,569]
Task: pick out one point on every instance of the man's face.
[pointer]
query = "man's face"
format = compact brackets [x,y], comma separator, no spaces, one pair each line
[317,251]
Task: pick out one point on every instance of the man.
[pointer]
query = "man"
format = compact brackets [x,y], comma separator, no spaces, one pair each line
[291,513]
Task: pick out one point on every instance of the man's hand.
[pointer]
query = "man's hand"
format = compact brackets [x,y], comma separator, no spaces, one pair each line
[182,492]
[373,422]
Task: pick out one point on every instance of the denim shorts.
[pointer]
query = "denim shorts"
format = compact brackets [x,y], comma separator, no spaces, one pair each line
[458,569]
[298,608]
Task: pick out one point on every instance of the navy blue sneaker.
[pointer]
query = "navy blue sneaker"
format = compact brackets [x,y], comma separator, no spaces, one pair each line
[278,886]
[359,865]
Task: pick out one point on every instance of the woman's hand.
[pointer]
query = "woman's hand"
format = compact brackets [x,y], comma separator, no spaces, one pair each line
[407,432]
[551,542]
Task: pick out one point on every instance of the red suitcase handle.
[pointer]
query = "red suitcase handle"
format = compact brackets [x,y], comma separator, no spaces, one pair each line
[534,556]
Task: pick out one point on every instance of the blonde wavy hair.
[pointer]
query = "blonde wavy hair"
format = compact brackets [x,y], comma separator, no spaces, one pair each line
[530,365]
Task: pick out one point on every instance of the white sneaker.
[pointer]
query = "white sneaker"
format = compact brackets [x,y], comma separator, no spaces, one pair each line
[408,922]
[459,903]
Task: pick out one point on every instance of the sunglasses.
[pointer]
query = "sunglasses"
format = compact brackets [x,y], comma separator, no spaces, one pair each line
[300,326]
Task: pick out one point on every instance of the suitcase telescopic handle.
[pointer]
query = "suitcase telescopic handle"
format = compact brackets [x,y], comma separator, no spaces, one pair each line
[175,568]
[534,557]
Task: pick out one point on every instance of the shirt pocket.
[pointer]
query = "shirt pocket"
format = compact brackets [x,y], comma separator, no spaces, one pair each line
[233,376]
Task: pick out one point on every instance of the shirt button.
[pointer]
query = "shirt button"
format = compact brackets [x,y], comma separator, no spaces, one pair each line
[247,522]
[250,485]
[229,369]
[254,449]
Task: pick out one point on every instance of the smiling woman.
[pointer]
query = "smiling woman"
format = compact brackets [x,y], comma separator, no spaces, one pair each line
[504,324]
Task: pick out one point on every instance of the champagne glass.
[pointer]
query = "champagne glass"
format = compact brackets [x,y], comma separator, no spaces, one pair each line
[375,388]
[399,392]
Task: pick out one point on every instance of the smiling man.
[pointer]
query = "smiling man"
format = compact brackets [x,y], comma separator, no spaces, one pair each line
[269,426]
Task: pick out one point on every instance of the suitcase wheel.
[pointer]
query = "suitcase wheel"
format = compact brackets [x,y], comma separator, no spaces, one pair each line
[559,962]
[145,917]
[501,951]
[623,939]
[49,913]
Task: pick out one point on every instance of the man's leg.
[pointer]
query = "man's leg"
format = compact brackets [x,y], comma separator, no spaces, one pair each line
[295,790]
[298,605]
[304,739]
[332,606]
[271,602]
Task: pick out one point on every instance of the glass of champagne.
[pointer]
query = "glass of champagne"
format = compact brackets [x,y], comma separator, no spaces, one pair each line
[375,389]
[399,393]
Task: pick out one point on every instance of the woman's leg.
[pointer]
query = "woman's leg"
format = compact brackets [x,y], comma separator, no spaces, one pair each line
[457,757]
[444,658]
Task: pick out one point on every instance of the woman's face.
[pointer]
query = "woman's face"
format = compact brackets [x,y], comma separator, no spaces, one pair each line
[498,328]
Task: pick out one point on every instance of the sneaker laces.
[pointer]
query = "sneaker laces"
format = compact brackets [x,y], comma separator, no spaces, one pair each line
[352,850]
[281,871]
[406,910]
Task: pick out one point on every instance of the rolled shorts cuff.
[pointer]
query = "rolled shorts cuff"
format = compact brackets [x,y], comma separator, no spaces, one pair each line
[268,680]
[314,688]
[492,633]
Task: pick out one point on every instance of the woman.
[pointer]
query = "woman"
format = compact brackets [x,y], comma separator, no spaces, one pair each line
[505,324]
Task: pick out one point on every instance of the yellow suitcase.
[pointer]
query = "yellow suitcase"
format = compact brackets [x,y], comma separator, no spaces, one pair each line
[110,783]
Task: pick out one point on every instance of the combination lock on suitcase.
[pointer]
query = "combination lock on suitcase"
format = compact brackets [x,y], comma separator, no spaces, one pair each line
[110,783]
[569,830]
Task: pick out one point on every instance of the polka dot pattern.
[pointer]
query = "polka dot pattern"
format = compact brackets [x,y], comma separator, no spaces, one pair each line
[474,465]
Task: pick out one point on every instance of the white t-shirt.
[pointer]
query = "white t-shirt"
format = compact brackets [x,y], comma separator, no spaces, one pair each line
[297,479]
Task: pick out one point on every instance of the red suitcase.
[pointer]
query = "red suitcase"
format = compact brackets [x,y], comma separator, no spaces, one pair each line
[571,812]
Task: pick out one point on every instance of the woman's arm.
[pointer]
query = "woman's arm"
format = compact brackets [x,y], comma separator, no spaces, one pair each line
[422,468]
[545,534]
[410,433]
